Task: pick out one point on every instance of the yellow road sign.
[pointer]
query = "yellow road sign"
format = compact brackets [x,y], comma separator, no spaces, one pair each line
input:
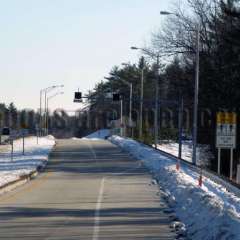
[226,118]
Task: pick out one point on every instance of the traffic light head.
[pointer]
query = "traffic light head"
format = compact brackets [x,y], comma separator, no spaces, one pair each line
[116,97]
[78,97]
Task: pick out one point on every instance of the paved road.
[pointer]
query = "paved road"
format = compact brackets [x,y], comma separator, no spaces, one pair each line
[90,190]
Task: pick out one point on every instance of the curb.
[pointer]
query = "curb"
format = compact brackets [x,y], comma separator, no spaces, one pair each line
[18,182]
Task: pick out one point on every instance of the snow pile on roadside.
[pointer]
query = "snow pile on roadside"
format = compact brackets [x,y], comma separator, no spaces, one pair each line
[204,154]
[209,212]
[100,134]
[36,156]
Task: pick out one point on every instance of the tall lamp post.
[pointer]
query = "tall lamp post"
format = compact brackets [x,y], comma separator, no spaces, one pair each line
[130,101]
[45,91]
[196,89]
[40,110]
[141,99]
[141,104]
[157,56]
[48,98]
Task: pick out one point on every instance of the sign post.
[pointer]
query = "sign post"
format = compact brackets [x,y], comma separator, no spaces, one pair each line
[226,136]
[37,132]
[231,164]
[12,136]
[219,161]
[24,133]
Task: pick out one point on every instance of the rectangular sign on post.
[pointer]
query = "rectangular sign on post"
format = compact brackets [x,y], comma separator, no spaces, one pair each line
[226,130]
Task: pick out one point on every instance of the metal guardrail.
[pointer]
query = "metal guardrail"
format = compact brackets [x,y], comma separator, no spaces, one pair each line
[221,180]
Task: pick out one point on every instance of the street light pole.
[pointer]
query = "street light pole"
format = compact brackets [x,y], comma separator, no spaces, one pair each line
[141,105]
[130,106]
[40,114]
[156,104]
[121,117]
[130,97]
[157,56]
[43,119]
[45,115]
[56,94]
[196,91]
[130,101]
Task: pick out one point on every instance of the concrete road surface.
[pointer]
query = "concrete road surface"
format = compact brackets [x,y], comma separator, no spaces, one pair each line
[90,190]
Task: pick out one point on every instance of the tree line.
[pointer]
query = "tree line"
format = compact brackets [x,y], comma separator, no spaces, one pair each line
[60,123]
[16,119]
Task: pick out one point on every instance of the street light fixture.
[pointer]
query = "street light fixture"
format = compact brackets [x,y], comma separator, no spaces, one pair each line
[196,89]
[166,13]
[134,48]
[157,56]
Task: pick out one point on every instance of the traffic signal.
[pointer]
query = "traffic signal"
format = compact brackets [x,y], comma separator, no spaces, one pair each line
[6,131]
[78,97]
[116,97]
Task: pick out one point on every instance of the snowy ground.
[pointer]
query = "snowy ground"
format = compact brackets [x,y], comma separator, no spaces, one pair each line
[207,213]
[36,155]
[204,154]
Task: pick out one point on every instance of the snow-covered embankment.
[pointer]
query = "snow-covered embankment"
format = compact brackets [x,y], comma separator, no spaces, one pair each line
[209,212]
[36,156]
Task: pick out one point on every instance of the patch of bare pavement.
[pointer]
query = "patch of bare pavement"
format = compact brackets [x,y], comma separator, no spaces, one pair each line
[90,190]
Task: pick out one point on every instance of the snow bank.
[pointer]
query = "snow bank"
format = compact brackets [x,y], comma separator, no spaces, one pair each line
[100,134]
[209,212]
[36,155]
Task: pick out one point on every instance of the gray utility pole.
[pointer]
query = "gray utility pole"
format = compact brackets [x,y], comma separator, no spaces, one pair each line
[196,89]
[45,115]
[157,56]
[121,117]
[49,98]
[40,113]
[43,119]
[130,108]
[156,104]
[130,85]
[141,106]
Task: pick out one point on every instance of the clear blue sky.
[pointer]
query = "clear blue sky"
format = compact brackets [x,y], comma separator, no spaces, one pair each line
[70,42]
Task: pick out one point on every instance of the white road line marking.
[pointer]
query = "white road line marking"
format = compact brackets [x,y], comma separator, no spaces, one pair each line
[97,211]
[92,151]
[100,194]
[99,201]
